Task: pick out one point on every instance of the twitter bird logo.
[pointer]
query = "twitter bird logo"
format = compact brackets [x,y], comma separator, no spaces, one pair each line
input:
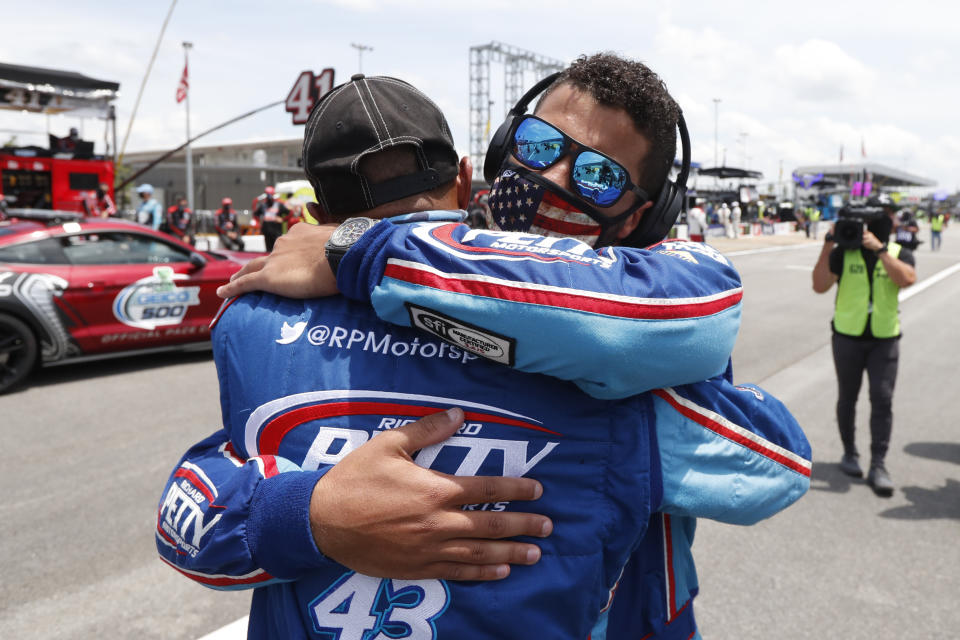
[290,334]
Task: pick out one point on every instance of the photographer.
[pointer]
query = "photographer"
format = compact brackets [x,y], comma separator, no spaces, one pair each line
[907,230]
[866,326]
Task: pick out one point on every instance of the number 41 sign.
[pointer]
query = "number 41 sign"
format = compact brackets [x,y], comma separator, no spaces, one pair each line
[306,91]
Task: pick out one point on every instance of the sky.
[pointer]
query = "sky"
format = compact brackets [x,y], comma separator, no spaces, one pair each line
[795,82]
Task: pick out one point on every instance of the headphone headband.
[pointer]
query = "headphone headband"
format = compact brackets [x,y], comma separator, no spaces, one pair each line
[684,150]
[524,103]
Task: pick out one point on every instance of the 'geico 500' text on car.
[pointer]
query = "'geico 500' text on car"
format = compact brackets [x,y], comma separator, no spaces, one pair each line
[86,287]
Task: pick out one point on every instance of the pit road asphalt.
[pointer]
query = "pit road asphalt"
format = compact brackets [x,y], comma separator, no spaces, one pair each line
[89,446]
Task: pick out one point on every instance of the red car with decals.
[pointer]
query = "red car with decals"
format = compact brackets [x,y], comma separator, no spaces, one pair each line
[73,288]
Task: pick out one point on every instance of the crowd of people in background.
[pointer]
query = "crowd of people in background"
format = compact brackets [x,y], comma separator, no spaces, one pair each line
[731,218]
[273,214]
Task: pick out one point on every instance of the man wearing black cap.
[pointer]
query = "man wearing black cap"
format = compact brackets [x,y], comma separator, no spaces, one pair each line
[273,425]
[418,170]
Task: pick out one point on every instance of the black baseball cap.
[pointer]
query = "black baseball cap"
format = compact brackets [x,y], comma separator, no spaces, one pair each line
[364,116]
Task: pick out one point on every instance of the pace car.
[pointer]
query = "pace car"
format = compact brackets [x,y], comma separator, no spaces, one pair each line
[73,288]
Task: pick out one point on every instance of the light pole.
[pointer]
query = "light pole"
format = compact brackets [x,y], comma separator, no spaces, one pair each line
[360,49]
[716,118]
[186,48]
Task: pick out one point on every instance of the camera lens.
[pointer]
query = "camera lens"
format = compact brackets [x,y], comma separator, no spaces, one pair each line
[848,233]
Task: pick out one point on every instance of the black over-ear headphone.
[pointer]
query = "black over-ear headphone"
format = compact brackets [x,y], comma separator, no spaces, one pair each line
[656,221]
[502,141]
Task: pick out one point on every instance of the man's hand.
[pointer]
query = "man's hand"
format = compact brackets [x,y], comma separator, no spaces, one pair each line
[379,513]
[870,242]
[297,268]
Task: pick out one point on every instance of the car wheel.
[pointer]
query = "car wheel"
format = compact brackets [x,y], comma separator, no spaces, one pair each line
[18,351]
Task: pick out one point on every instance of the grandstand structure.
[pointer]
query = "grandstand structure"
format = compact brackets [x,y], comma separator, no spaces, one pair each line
[880,175]
[515,62]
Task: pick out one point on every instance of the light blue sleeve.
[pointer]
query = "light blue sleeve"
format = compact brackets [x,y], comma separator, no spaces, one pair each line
[728,453]
[616,322]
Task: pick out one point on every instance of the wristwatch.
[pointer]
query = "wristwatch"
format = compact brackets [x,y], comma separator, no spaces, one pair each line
[344,237]
[882,249]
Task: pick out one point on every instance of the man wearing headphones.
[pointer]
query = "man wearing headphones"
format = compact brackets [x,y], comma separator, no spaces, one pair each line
[603,181]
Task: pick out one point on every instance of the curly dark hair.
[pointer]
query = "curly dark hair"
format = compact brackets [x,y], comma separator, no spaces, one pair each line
[617,82]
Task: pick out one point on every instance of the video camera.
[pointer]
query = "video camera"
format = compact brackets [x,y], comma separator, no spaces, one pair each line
[851,221]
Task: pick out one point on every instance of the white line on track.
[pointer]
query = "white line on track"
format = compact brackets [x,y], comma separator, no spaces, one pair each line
[747,252]
[929,282]
[236,630]
[904,295]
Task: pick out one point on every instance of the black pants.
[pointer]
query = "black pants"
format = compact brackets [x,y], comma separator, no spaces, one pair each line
[879,357]
[271,231]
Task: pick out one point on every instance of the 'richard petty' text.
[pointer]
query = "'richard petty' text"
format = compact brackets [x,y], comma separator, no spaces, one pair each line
[186,516]
[182,516]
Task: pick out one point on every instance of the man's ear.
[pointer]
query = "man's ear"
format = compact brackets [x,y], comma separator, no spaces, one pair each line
[464,182]
[631,223]
[317,213]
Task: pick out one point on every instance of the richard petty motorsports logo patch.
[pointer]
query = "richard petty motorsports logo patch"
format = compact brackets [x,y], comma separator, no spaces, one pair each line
[155,301]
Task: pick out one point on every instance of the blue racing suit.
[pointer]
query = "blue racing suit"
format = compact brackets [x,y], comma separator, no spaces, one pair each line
[235,511]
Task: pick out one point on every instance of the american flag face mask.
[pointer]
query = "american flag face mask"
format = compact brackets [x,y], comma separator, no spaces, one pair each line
[530,204]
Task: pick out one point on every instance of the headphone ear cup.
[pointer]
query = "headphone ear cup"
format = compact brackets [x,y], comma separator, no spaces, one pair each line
[497,151]
[658,219]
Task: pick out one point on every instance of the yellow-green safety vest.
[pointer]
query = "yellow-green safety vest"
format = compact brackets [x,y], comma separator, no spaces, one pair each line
[936,223]
[854,305]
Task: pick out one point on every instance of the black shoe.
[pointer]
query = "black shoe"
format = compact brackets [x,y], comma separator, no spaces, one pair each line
[850,465]
[879,480]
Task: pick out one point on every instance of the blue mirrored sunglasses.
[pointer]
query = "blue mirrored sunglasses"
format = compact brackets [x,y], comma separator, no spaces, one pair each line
[596,177]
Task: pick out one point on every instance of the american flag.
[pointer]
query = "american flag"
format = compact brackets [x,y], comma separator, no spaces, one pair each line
[516,204]
[183,86]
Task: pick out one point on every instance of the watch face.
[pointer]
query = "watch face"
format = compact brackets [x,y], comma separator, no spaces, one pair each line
[350,231]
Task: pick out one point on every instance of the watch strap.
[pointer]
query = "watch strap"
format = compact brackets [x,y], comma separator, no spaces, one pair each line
[333,259]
